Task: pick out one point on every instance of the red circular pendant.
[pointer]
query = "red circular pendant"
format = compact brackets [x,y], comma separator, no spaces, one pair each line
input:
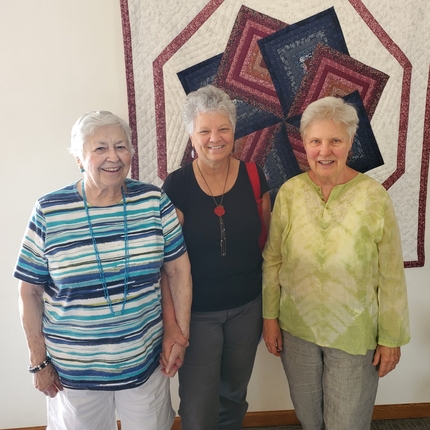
[219,210]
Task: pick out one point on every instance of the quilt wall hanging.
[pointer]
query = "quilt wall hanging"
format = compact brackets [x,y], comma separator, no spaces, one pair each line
[274,58]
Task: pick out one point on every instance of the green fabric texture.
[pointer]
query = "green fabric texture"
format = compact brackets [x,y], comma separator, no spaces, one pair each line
[333,271]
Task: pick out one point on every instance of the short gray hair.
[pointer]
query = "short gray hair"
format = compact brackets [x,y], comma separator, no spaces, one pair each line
[87,125]
[207,99]
[330,108]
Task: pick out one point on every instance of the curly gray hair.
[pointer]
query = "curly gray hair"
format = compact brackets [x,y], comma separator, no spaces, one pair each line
[207,99]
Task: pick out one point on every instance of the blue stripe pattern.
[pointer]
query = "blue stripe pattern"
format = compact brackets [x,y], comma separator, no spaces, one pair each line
[90,347]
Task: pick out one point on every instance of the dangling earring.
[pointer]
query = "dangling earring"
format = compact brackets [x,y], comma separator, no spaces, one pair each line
[82,169]
[193,154]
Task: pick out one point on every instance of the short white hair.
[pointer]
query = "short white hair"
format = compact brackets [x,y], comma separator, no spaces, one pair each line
[330,108]
[87,125]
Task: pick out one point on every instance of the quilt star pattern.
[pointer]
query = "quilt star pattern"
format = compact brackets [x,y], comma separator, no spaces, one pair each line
[274,59]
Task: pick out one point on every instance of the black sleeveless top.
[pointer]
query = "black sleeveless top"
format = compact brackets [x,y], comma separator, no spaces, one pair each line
[220,283]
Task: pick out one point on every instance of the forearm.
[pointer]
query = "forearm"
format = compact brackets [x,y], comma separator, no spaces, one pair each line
[180,288]
[31,311]
[176,303]
[272,264]
[169,316]
[393,318]
[271,289]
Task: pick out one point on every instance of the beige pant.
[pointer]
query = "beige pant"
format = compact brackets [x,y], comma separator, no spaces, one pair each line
[146,407]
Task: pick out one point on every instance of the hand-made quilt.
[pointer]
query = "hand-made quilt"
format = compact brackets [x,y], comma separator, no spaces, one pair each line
[273,59]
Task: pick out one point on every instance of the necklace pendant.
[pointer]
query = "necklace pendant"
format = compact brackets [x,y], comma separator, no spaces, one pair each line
[219,210]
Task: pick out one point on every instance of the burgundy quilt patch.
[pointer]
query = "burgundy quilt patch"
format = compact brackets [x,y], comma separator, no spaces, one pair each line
[332,73]
[243,73]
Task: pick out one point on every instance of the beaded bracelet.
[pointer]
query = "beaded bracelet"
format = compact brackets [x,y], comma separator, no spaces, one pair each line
[40,366]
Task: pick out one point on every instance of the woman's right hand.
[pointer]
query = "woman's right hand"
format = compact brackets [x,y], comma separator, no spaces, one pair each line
[173,348]
[170,366]
[47,381]
[272,336]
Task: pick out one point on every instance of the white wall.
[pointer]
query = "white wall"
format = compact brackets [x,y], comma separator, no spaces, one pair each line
[60,59]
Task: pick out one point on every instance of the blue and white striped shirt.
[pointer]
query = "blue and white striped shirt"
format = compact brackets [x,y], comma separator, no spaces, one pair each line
[92,348]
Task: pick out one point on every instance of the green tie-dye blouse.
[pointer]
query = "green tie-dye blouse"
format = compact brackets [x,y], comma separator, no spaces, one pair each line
[333,272]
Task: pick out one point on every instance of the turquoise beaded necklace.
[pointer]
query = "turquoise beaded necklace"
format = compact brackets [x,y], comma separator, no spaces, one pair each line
[99,261]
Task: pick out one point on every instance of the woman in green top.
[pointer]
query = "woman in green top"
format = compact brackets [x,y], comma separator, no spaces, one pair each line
[334,295]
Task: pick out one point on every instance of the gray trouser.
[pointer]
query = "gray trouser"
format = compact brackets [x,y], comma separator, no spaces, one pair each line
[330,388]
[217,367]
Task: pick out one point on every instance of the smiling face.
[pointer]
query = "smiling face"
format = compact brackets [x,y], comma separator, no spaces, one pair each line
[327,145]
[213,137]
[106,158]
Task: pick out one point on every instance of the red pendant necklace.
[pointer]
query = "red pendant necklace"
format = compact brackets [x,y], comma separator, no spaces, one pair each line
[219,209]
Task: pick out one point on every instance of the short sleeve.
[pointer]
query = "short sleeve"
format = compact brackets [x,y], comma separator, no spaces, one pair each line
[32,265]
[172,231]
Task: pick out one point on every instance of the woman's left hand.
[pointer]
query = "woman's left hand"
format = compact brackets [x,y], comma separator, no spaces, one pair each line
[387,359]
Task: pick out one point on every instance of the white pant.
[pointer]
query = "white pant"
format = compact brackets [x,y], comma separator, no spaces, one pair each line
[146,407]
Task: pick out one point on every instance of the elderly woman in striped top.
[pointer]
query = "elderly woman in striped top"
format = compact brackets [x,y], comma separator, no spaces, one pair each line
[90,292]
